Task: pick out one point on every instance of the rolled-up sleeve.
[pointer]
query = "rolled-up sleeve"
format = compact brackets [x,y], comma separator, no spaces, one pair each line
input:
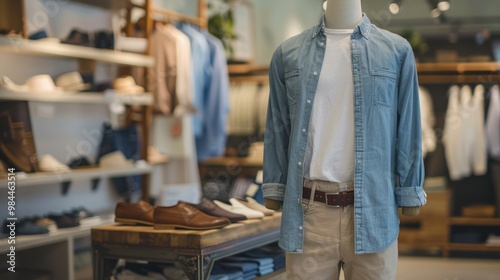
[277,133]
[410,166]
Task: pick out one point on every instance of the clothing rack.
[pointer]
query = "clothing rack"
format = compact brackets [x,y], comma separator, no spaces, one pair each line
[459,73]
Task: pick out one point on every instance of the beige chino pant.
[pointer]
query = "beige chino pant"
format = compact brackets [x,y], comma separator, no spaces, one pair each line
[329,244]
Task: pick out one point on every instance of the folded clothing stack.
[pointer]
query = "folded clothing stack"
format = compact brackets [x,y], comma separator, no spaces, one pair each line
[250,264]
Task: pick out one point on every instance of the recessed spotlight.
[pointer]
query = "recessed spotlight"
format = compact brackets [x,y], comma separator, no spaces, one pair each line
[444,5]
[395,7]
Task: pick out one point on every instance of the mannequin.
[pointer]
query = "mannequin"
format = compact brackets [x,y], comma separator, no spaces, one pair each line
[342,14]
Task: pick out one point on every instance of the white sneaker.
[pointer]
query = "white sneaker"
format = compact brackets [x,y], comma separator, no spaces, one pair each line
[238,208]
[51,164]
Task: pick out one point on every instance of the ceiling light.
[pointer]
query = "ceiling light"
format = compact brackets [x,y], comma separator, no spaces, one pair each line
[435,13]
[395,6]
[444,5]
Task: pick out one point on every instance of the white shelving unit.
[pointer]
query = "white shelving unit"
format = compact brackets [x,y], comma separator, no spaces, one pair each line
[78,97]
[21,46]
[42,178]
[54,250]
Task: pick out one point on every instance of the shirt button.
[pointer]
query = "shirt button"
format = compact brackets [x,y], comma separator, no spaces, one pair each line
[321,44]
[315,73]
[308,100]
[304,130]
[358,129]
[300,163]
[300,227]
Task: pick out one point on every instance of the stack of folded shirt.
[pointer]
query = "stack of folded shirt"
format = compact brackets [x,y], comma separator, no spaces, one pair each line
[273,252]
[219,272]
[249,269]
[265,265]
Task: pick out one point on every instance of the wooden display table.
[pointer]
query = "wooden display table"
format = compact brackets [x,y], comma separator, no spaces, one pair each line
[195,250]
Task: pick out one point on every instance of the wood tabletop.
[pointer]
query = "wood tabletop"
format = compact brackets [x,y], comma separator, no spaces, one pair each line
[183,239]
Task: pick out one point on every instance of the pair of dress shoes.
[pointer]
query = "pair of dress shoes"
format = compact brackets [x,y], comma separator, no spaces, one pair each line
[247,207]
[17,146]
[182,215]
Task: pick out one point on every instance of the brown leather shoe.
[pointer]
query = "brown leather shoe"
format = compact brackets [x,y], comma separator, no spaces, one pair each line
[134,213]
[13,143]
[209,207]
[185,215]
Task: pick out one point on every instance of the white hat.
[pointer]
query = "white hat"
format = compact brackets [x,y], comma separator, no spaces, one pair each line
[37,83]
[51,164]
[115,160]
[72,81]
[127,85]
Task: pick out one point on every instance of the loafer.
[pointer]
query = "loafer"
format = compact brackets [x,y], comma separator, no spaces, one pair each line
[184,215]
[238,208]
[64,221]
[140,213]
[253,204]
[208,207]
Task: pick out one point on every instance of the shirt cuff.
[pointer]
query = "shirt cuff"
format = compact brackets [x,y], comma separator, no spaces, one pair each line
[410,196]
[274,191]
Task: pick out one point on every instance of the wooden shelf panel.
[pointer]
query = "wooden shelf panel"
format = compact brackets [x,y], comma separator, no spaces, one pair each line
[80,97]
[233,161]
[24,242]
[472,247]
[30,47]
[41,178]
[459,67]
[239,69]
[473,221]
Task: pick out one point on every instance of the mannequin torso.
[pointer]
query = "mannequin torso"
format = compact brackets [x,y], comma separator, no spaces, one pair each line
[343,14]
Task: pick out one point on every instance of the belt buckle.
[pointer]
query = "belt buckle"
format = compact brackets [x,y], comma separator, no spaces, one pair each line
[326,199]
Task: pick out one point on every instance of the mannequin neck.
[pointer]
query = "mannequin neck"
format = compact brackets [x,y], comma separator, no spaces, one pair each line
[343,14]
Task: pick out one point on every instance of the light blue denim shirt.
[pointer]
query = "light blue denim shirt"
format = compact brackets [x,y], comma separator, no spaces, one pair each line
[389,170]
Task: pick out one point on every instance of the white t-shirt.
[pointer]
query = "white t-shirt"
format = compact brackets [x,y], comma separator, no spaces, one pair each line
[330,146]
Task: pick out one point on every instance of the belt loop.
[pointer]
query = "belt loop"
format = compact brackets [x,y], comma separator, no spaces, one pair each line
[313,192]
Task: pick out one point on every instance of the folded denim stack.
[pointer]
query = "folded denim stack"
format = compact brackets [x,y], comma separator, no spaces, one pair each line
[270,251]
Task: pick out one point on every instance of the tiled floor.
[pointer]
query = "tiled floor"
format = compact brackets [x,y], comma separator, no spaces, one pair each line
[437,268]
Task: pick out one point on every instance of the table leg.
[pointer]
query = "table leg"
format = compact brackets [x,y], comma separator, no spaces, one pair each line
[103,267]
[196,267]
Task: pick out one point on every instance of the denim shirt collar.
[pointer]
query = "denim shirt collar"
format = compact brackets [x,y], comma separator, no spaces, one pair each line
[363,27]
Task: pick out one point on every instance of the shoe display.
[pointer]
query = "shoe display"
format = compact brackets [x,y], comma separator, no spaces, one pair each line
[49,163]
[64,221]
[209,207]
[13,144]
[184,215]
[78,37]
[238,208]
[140,213]
[253,204]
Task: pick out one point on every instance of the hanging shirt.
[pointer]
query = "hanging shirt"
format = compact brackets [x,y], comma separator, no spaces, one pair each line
[163,75]
[184,78]
[463,135]
[493,124]
[212,140]
[428,121]
[200,54]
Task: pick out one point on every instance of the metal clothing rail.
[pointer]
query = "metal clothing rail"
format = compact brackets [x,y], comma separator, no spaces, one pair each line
[459,73]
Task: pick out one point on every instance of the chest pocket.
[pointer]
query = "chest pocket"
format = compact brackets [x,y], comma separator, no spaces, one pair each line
[292,83]
[383,88]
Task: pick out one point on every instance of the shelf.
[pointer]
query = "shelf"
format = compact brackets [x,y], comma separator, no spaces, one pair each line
[24,242]
[41,48]
[233,161]
[473,221]
[459,67]
[40,178]
[472,247]
[240,69]
[80,97]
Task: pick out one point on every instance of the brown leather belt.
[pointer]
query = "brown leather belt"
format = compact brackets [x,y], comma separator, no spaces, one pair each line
[330,199]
